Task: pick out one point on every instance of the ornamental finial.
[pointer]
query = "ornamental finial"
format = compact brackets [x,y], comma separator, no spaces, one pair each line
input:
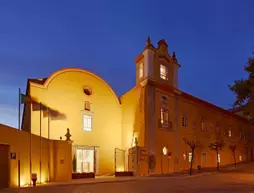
[174,55]
[148,41]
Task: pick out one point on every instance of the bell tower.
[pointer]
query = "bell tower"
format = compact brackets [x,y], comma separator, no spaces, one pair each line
[157,64]
[145,63]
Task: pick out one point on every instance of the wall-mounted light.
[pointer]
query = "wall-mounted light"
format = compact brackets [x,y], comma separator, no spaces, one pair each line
[165,151]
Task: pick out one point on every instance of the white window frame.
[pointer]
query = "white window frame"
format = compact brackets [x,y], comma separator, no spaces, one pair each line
[184,121]
[141,70]
[163,75]
[89,126]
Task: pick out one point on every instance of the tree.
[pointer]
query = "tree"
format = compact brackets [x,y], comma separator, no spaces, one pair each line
[193,145]
[244,90]
[217,146]
[233,149]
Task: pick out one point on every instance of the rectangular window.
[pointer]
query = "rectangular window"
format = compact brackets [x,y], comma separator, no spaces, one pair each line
[164,117]
[87,106]
[87,122]
[202,125]
[163,72]
[190,156]
[184,121]
[229,133]
[219,158]
[240,158]
[184,155]
[141,70]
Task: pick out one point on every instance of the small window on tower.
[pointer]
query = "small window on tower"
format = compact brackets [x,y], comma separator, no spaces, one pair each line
[163,72]
[87,106]
[141,70]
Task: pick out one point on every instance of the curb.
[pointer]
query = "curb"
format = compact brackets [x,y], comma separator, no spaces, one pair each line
[198,175]
[73,184]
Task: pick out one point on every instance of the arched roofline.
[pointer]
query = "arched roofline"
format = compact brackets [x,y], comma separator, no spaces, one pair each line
[44,84]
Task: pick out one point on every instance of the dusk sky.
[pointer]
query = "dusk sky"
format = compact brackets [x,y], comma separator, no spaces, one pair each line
[212,41]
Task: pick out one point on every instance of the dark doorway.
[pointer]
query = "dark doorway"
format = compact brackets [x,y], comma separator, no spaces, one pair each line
[4,166]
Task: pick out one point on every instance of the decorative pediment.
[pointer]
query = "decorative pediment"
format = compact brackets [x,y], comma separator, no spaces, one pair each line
[162,49]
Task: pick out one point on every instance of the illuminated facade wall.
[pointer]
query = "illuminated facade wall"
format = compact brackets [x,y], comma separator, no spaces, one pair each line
[32,148]
[171,115]
[138,114]
[64,92]
[216,127]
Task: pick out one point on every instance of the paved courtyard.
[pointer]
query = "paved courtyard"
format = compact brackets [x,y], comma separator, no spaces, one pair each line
[240,180]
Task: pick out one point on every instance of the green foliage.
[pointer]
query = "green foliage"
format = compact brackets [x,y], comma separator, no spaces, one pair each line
[244,90]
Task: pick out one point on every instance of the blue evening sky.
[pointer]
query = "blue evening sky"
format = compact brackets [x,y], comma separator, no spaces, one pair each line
[212,40]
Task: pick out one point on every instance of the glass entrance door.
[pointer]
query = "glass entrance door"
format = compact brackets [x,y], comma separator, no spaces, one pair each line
[85,160]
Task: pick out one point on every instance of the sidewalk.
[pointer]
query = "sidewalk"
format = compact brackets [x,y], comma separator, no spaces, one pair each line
[204,171]
[112,179]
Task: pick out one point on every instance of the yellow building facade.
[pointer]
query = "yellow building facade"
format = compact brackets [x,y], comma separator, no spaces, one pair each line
[24,154]
[154,116]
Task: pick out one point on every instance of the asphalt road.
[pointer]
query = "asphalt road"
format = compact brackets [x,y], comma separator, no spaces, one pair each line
[241,180]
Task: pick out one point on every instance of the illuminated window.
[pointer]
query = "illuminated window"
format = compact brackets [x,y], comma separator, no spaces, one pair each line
[164,117]
[141,70]
[229,133]
[184,155]
[219,158]
[190,156]
[87,122]
[87,106]
[202,125]
[163,72]
[184,121]
[240,158]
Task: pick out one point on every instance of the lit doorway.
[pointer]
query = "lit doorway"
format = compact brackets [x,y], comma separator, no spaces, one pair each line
[85,160]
